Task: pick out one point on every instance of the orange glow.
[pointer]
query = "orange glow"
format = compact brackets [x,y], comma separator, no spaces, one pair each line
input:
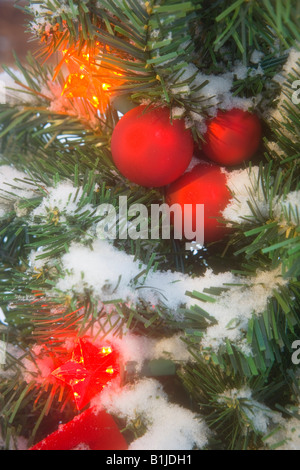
[38,294]
[76,381]
[87,79]
[105,86]
[106,350]
[95,101]
[109,370]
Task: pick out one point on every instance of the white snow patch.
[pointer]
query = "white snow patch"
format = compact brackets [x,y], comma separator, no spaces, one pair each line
[146,401]
[259,415]
[245,185]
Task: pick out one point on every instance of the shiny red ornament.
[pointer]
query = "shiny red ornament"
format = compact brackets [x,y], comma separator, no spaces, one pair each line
[232,137]
[88,371]
[148,149]
[91,430]
[204,184]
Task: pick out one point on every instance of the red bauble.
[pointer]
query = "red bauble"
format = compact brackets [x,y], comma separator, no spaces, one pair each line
[91,430]
[148,149]
[232,137]
[204,184]
[88,371]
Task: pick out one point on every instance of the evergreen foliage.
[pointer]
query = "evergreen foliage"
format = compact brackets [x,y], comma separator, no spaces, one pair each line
[151,48]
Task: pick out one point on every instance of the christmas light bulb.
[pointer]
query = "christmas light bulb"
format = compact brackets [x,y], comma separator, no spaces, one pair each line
[89,369]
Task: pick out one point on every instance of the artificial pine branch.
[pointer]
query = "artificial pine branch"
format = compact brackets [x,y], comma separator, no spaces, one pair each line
[151,48]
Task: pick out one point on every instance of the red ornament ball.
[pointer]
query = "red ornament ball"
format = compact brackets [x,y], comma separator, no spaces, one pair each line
[204,184]
[148,149]
[232,137]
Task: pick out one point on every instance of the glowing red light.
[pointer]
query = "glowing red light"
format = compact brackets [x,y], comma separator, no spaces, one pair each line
[88,371]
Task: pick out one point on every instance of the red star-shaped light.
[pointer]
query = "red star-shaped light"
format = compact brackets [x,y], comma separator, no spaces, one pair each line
[88,371]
